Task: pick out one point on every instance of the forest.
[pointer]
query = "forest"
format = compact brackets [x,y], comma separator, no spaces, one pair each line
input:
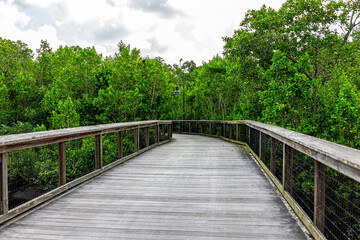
[297,67]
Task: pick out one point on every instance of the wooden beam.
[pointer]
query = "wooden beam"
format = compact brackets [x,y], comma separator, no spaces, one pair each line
[4,193]
[288,154]
[210,128]
[62,163]
[156,132]
[136,139]
[273,156]
[147,137]
[231,131]
[168,131]
[120,144]
[262,147]
[162,132]
[98,152]
[237,132]
[319,196]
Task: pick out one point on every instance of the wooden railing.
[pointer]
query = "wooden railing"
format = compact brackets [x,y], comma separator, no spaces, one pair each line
[319,179]
[162,133]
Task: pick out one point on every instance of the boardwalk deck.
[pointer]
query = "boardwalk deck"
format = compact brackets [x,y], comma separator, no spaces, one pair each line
[192,188]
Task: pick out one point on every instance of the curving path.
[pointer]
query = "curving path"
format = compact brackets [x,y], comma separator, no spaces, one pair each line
[191,188]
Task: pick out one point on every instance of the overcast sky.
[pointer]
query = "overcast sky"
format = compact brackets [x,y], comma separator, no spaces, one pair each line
[171,29]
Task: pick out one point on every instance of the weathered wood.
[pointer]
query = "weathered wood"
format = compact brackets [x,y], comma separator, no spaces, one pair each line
[136,139]
[120,144]
[201,128]
[4,193]
[15,142]
[161,196]
[98,152]
[147,137]
[168,131]
[262,147]
[237,132]
[162,132]
[156,133]
[273,156]
[288,154]
[319,196]
[210,128]
[189,127]
[59,190]
[339,157]
[62,163]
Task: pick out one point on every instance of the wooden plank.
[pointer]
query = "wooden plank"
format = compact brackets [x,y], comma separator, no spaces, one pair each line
[210,129]
[161,196]
[62,163]
[120,144]
[4,193]
[168,131]
[57,191]
[288,154]
[28,140]
[98,152]
[339,157]
[319,196]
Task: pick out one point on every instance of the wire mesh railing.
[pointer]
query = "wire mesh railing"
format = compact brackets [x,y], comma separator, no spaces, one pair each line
[35,167]
[319,179]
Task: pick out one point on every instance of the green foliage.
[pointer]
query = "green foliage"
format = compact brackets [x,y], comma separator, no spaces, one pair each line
[65,116]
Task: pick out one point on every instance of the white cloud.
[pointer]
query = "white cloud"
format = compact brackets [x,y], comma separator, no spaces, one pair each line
[172,29]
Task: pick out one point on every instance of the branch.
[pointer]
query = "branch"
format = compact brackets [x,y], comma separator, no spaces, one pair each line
[294,61]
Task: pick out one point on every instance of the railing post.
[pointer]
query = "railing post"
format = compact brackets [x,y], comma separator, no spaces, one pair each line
[231,131]
[147,137]
[210,128]
[237,132]
[120,144]
[319,196]
[4,193]
[189,127]
[136,139]
[162,132]
[98,152]
[156,133]
[62,163]
[288,154]
[262,146]
[272,156]
[202,128]
[168,131]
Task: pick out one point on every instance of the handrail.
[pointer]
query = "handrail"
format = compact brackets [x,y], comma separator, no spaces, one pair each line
[261,139]
[11,143]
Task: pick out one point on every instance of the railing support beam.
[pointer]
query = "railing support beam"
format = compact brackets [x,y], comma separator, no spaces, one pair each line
[136,139]
[147,137]
[120,144]
[98,152]
[319,196]
[288,154]
[4,193]
[62,163]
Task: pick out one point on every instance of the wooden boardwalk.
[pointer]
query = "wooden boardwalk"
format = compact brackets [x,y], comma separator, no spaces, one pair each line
[192,188]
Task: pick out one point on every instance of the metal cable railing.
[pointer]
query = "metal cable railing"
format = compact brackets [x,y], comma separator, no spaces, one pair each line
[35,167]
[319,179]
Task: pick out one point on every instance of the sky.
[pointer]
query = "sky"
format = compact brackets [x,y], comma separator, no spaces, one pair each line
[170,29]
